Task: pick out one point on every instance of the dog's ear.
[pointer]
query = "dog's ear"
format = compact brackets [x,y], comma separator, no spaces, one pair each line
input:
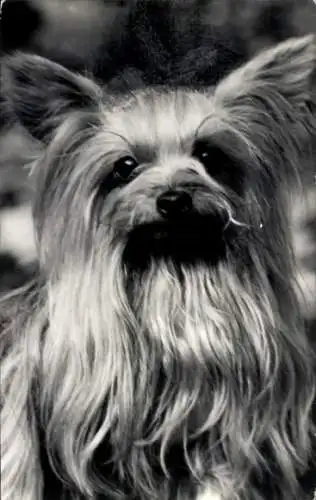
[41,93]
[278,80]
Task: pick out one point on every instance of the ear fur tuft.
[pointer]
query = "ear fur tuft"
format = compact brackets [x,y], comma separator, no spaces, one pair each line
[40,93]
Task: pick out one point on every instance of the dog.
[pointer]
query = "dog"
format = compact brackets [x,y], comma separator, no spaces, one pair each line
[160,352]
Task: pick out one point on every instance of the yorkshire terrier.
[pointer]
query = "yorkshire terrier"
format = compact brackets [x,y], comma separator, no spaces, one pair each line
[160,354]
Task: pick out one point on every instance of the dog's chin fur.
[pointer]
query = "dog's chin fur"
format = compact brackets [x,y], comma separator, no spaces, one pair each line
[178,241]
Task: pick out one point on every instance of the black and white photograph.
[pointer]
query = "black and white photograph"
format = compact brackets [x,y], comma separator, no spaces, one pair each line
[158,249]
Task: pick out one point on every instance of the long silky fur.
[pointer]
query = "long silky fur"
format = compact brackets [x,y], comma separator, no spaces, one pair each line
[110,371]
[237,381]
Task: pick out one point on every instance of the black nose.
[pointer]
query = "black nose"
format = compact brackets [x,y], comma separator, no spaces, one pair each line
[174,203]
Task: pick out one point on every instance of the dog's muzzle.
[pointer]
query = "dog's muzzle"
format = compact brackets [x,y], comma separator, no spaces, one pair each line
[180,232]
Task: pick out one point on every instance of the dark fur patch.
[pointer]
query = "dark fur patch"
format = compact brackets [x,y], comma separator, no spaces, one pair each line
[193,239]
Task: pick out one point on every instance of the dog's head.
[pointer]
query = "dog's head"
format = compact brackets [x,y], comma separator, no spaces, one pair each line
[162,228]
[168,173]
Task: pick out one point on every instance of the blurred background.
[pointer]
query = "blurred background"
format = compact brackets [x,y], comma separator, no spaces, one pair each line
[78,34]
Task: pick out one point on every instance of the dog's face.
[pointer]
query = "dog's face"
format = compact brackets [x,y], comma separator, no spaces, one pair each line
[161,223]
[166,185]
[173,178]
[172,173]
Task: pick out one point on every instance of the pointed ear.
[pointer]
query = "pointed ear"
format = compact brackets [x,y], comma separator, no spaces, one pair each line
[41,93]
[278,80]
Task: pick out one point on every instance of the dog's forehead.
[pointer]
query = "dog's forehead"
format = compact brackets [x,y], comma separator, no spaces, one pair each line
[159,118]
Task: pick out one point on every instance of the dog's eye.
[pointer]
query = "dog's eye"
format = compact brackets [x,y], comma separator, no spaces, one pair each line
[210,156]
[201,152]
[219,164]
[123,167]
[213,158]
